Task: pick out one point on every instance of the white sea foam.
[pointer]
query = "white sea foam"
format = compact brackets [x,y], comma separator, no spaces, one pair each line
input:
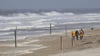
[52,13]
[7,33]
[71,14]
[7,28]
[14,22]
[18,27]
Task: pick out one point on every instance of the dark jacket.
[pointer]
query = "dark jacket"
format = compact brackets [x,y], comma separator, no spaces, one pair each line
[77,33]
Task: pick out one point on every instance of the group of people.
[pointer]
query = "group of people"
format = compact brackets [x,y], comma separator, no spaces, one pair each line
[78,34]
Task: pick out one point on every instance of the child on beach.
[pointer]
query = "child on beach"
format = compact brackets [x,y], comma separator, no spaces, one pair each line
[73,35]
[81,34]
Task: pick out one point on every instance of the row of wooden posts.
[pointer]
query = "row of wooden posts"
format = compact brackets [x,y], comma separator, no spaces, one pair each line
[61,42]
[15,34]
[61,39]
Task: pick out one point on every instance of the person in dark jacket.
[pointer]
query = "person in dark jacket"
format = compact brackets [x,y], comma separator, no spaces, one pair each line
[77,34]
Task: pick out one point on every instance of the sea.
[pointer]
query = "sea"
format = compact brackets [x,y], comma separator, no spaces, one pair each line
[30,23]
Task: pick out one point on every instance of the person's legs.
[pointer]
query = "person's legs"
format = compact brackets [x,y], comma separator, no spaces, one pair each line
[76,37]
[73,37]
[72,40]
[81,37]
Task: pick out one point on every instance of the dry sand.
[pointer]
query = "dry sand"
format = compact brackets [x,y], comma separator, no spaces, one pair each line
[50,44]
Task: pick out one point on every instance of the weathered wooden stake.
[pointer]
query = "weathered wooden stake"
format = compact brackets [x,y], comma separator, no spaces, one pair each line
[50,29]
[61,43]
[15,37]
[72,41]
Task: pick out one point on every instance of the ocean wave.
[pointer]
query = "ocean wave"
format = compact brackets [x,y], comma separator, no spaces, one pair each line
[14,22]
[6,33]
[7,28]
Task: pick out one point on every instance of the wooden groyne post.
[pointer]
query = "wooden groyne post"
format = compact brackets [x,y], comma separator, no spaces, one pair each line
[50,29]
[15,33]
[61,43]
[72,42]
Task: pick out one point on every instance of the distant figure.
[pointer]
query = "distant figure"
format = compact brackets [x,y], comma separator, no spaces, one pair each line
[73,35]
[81,34]
[92,28]
[77,34]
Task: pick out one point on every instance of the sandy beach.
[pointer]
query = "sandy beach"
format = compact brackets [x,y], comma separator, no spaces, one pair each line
[49,45]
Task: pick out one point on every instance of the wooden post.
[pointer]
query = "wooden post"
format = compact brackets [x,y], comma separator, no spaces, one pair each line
[72,41]
[61,43]
[50,29]
[15,37]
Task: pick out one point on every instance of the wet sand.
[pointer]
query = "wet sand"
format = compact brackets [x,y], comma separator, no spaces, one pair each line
[50,44]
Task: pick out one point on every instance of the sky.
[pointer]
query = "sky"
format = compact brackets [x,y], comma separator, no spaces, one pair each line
[49,4]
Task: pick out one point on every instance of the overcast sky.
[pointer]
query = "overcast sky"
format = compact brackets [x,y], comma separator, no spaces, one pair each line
[48,4]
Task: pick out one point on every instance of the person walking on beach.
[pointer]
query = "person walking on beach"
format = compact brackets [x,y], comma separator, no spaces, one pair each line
[81,34]
[73,35]
[77,34]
